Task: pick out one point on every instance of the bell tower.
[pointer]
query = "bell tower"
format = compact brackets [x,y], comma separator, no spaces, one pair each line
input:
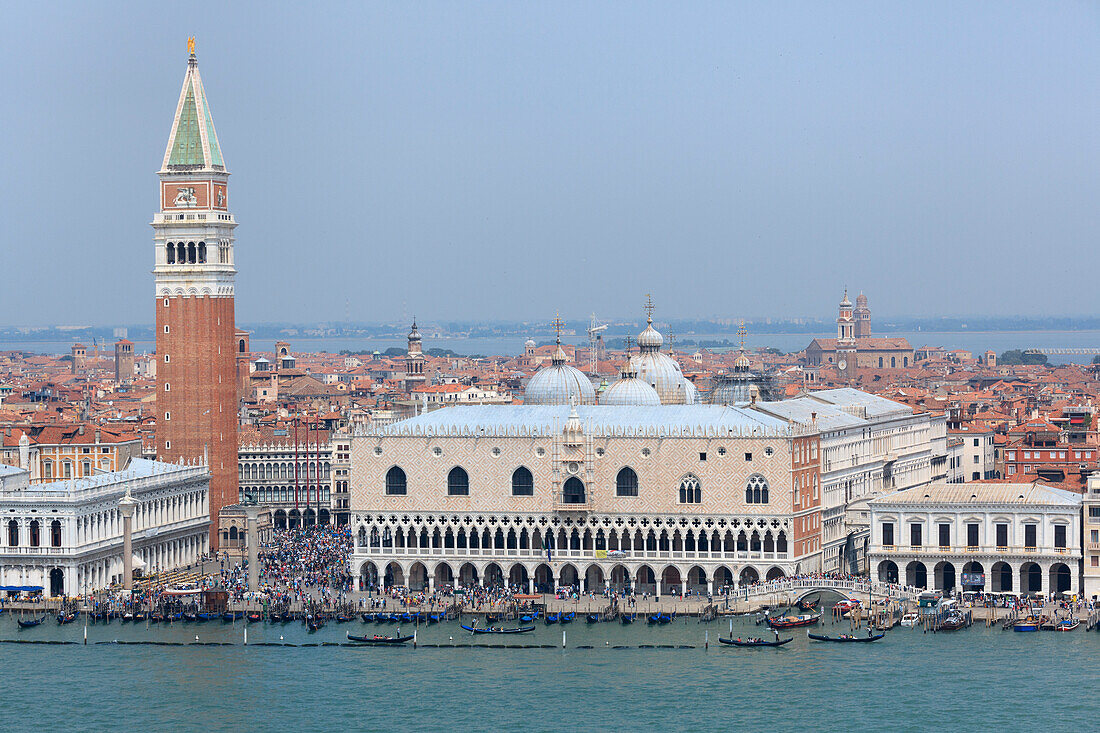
[194,287]
[846,340]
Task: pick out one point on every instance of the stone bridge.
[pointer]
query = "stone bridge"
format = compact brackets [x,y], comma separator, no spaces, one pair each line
[792,590]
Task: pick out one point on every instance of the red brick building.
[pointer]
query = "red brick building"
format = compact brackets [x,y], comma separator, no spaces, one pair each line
[196,336]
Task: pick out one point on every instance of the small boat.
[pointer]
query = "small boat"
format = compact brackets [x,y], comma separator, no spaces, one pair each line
[139,616]
[156,618]
[342,618]
[65,618]
[492,618]
[407,617]
[232,615]
[792,622]
[127,617]
[529,617]
[1067,624]
[846,607]
[200,616]
[314,624]
[592,618]
[910,619]
[498,630]
[254,617]
[661,618]
[845,638]
[567,618]
[367,617]
[755,642]
[552,618]
[380,640]
[434,618]
[189,616]
[627,618]
[805,605]
[952,622]
[28,624]
[1028,624]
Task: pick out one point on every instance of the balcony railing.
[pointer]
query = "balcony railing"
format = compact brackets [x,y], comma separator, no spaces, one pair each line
[557,554]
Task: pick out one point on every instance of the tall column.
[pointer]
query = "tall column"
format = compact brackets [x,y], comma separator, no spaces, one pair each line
[253,541]
[126,507]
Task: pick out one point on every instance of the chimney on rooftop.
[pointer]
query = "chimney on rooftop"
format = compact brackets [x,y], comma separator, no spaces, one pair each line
[80,430]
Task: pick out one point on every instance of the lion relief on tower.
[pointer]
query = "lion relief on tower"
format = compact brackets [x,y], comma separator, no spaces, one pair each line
[185,197]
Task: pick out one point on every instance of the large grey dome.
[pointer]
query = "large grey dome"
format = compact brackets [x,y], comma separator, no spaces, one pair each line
[630,390]
[559,384]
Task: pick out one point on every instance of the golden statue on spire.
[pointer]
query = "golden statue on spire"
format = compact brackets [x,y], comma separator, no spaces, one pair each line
[191,45]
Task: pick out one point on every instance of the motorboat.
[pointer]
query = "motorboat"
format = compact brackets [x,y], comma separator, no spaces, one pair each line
[793,622]
[910,619]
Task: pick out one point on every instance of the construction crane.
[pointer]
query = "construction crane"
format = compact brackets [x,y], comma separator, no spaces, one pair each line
[595,328]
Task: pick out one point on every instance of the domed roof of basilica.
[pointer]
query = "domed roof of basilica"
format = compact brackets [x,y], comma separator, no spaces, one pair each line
[629,390]
[661,371]
[559,384]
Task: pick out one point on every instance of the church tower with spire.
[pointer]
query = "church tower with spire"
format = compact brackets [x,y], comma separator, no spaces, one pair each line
[846,340]
[194,277]
[414,360]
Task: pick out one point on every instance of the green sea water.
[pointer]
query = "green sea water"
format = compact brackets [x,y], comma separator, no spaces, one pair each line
[976,679]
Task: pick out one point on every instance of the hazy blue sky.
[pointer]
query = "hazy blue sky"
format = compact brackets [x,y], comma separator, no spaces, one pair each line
[508,160]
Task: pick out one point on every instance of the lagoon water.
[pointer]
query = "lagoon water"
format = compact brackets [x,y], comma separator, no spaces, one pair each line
[976,679]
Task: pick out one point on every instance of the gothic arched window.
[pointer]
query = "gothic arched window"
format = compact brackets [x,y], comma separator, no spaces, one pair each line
[458,482]
[396,483]
[756,491]
[523,483]
[171,251]
[626,483]
[691,491]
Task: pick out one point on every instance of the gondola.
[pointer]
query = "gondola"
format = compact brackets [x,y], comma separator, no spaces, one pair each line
[529,617]
[204,616]
[28,624]
[65,618]
[232,615]
[139,616]
[380,640]
[492,618]
[254,617]
[434,618]
[808,605]
[191,616]
[552,618]
[498,630]
[342,618]
[627,618]
[755,642]
[394,618]
[156,618]
[314,624]
[368,618]
[845,638]
[660,618]
[792,622]
[592,618]
[567,618]
[127,617]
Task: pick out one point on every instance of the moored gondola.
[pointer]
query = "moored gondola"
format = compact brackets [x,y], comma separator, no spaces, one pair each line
[498,630]
[845,638]
[567,618]
[592,618]
[552,618]
[380,640]
[627,618]
[755,642]
[805,605]
[434,618]
[791,622]
[368,618]
[25,624]
[254,617]
[65,618]
[314,623]
[232,615]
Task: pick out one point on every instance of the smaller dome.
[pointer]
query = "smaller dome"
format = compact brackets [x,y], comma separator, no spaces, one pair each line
[742,363]
[630,391]
[650,338]
[414,334]
[861,301]
[559,384]
[529,344]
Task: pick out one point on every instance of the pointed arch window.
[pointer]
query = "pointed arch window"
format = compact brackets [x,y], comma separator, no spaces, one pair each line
[626,482]
[523,483]
[396,482]
[756,491]
[458,482]
[691,490]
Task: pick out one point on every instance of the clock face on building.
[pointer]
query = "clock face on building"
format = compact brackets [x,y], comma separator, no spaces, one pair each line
[842,364]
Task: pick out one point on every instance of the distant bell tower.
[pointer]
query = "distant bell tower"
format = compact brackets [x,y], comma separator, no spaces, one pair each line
[863,317]
[846,340]
[414,360]
[196,415]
